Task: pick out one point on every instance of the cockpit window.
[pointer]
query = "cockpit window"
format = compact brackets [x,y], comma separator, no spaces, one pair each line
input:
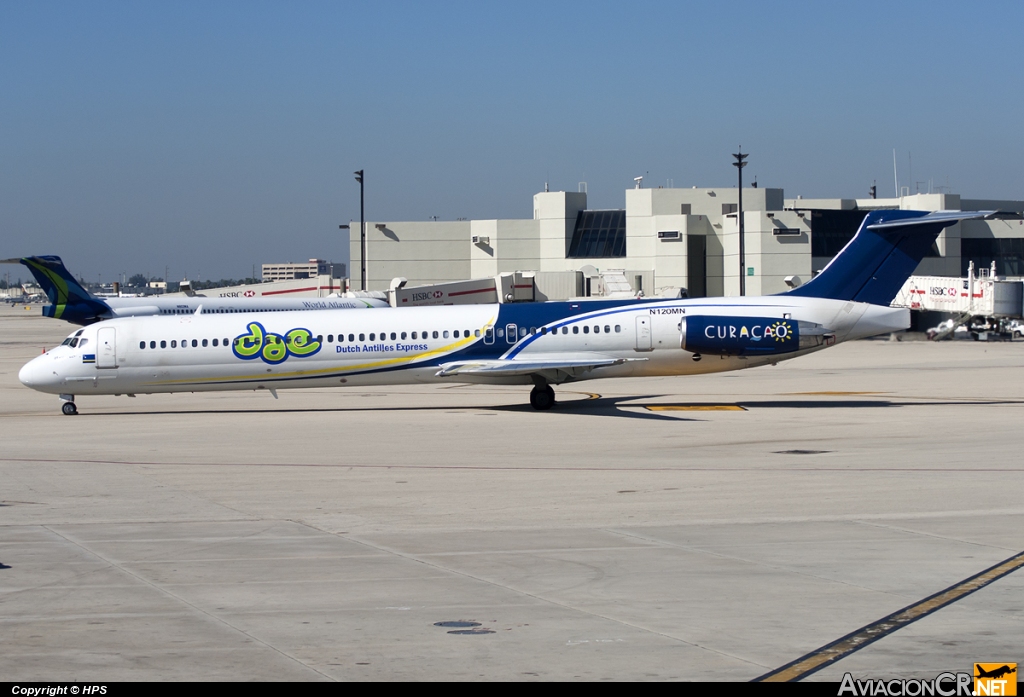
[74,342]
[82,343]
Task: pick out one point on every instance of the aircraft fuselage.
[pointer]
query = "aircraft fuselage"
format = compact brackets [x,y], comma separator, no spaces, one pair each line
[282,350]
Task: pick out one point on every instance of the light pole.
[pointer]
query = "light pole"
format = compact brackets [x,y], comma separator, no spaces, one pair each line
[739,164]
[362,232]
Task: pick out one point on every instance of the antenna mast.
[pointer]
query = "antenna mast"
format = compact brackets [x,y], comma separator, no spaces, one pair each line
[895,178]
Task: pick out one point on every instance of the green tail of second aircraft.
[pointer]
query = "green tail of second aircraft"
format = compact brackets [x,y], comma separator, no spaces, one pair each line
[68,299]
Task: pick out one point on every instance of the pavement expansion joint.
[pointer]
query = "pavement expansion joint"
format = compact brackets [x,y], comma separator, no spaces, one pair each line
[170,594]
[868,634]
[539,598]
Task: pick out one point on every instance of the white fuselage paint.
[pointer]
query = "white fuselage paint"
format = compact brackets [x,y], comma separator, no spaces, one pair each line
[141,307]
[67,369]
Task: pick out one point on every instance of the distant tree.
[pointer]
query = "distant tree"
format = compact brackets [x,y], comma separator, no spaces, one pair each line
[222,283]
[137,281]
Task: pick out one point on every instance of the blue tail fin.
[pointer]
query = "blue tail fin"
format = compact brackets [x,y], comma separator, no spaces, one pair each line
[68,299]
[880,258]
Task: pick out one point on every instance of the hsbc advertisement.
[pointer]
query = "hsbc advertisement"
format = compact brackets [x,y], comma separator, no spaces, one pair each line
[482,290]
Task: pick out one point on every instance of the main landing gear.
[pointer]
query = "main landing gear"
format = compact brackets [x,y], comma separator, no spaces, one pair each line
[68,408]
[542,397]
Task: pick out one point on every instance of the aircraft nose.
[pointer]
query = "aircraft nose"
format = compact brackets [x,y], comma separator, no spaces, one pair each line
[37,373]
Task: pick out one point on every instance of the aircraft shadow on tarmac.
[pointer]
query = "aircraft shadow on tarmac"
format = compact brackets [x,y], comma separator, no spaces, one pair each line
[597,405]
[593,404]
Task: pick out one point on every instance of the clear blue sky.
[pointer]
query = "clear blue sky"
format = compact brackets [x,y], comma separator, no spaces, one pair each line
[210,136]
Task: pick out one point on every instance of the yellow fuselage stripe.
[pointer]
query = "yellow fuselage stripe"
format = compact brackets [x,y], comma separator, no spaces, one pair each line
[450,348]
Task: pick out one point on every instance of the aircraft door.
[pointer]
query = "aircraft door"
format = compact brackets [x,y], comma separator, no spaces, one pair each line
[643,334]
[106,348]
[511,333]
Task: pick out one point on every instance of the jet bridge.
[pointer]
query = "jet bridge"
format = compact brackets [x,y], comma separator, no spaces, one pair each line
[517,286]
[984,296]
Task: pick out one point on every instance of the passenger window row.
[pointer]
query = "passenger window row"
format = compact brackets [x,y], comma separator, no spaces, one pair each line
[233,310]
[384,336]
[524,332]
[373,336]
[225,310]
[195,343]
[403,336]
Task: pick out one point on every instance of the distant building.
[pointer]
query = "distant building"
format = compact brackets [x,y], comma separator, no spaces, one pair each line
[310,269]
[667,238]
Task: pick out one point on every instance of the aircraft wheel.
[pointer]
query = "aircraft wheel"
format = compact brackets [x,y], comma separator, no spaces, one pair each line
[542,398]
[69,409]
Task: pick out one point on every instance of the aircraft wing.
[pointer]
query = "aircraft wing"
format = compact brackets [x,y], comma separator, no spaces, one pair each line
[547,367]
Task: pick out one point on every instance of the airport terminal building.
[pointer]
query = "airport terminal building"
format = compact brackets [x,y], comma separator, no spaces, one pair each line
[668,238]
[290,271]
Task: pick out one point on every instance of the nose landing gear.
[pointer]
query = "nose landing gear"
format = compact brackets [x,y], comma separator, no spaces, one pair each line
[68,408]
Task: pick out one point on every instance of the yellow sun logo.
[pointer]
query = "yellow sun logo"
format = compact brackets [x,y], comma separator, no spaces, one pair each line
[782,331]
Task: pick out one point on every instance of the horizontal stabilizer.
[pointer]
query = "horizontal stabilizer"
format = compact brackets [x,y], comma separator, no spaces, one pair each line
[883,254]
[949,217]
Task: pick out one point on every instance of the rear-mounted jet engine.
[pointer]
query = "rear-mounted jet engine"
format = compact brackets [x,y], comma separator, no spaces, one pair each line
[750,336]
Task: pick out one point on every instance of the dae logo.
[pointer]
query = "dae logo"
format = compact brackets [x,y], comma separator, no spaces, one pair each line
[995,679]
[274,348]
[249,293]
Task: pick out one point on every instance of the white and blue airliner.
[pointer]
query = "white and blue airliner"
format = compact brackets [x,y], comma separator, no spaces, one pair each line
[539,344]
